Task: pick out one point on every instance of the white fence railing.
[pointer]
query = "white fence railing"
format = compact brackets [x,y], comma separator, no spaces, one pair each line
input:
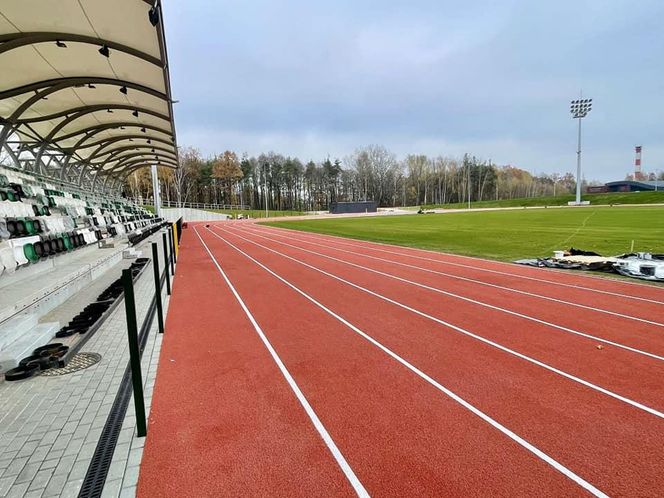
[193,205]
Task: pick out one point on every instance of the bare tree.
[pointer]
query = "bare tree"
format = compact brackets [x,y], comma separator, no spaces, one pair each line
[186,173]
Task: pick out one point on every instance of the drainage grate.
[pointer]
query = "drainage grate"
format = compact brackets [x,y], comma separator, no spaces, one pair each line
[79,361]
[95,478]
[94,481]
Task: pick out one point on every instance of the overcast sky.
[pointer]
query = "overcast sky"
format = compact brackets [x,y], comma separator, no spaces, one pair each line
[491,78]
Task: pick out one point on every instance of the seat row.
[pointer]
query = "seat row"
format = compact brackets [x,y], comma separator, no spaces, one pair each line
[143,233]
[18,186]
[36,244]
[20,227]
[31,249]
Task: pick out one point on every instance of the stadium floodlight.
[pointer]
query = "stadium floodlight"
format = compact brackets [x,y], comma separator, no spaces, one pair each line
[153,15]
[579,109]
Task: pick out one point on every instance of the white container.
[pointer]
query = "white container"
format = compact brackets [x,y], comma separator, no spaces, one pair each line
[558,254]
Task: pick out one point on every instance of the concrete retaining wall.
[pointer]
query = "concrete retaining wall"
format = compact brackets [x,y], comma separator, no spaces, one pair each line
[189,214]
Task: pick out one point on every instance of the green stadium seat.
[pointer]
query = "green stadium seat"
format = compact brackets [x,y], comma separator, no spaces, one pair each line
[29,252]
[30,227]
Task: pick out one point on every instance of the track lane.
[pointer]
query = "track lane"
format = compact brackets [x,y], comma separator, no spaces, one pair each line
[394,429]
[642,334]
[339,458]
[563,280]
[601,440]
[223,420]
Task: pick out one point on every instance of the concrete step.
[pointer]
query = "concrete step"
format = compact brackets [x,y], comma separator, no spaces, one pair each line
[15,327]
[37,336]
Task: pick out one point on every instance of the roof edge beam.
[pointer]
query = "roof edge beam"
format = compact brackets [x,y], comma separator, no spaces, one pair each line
[18,40]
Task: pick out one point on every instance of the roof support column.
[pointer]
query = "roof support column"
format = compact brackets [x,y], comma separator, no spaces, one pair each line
[155,191]
[8,150]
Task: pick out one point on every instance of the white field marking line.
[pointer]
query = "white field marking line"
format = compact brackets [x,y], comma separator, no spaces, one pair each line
[467,299]
[505,349]
[341,461]
[369,245]
[480,282]
[574,234]
[494,423]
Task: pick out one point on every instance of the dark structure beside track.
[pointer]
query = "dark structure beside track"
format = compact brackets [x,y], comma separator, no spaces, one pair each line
[635,186]
[353,207]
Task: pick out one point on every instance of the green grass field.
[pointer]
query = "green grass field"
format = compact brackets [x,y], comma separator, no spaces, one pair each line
[507,235]
[562,200]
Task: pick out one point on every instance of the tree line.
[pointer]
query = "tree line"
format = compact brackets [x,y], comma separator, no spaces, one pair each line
[371,173]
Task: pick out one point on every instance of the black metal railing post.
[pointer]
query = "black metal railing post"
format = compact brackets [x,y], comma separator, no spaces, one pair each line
[168,276]
[157,286]
[134,352]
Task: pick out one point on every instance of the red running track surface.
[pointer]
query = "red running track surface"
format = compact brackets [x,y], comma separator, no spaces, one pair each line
[388,386]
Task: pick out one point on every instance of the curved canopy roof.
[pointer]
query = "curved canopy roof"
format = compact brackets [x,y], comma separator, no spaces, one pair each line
[84,88]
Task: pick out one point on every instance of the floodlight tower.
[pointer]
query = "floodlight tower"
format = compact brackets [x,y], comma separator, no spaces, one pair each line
[579,109]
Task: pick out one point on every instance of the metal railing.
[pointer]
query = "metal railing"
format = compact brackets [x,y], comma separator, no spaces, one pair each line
[193,205]
[156,308]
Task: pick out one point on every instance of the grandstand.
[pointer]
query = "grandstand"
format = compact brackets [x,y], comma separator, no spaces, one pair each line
[85,100]
[47,231]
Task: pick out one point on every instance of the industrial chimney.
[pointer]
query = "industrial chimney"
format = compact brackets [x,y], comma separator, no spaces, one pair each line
[638,174]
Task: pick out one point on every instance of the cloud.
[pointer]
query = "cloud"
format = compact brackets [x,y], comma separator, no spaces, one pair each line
[439,77]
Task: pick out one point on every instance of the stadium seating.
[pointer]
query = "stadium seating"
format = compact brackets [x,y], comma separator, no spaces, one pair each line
[42,223]
[40,219]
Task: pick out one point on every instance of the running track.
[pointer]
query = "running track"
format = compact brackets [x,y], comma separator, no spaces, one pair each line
[296,364]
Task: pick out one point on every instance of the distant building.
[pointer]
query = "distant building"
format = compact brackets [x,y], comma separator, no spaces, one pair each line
[353,207]
[634,185]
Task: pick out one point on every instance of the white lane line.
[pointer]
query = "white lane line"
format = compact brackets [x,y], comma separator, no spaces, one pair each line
[496,345]
[480,282]
[513,436]
[369,245]
[341,460]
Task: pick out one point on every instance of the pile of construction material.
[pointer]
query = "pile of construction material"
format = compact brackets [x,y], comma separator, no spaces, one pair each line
[642,265]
